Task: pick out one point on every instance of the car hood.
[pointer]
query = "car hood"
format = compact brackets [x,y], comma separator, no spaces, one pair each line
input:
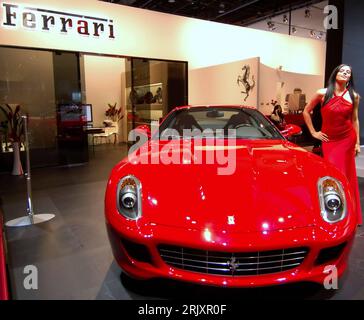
[273,187]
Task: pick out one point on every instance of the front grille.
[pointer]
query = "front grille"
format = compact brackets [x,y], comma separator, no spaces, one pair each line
[232,263]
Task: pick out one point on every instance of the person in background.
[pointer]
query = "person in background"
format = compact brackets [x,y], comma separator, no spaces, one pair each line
[340,125]
[277,117]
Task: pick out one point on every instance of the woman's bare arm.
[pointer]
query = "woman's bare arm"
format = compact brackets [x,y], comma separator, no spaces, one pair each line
[356,123]
[316,99]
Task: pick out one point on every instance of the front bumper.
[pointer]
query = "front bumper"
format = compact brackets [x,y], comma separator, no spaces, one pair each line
[148,263]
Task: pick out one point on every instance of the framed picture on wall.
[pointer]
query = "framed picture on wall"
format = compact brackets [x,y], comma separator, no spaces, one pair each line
[147,94]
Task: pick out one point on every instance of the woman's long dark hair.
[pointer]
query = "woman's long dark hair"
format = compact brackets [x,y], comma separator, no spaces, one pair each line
[332,81]
[280,114]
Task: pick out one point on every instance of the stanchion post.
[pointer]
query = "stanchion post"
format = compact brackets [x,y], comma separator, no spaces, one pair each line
[28,173]
[31,218]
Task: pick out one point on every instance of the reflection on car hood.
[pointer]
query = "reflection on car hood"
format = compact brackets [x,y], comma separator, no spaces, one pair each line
[274,187]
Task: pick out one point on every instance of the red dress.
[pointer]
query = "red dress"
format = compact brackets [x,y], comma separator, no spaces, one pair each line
[340,150]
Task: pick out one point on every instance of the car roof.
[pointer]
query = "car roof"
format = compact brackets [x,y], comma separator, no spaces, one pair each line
[215,106]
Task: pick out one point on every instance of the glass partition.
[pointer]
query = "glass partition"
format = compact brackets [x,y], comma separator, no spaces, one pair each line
[153,88]
[47,86]
[38,80]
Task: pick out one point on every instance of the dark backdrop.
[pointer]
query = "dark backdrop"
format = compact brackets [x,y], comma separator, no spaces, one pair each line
[353,49]
[346,45]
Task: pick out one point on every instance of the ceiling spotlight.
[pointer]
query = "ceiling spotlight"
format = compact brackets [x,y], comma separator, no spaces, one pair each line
[312,33]
[271,25]
[320,35]
[285,19]
[221,7]
[307,13]
[294,30]
[171,1]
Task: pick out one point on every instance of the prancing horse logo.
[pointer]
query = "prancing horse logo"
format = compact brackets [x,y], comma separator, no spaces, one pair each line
[231,220]
[233,264]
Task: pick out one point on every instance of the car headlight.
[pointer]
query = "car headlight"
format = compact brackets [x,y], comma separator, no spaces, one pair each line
[128,197]
[332,200]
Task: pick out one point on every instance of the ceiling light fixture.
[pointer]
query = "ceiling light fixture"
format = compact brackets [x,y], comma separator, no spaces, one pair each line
[271,25]
[222,8]
[307,13]
[285,19]
[294,30]
[320,35]
[312,33]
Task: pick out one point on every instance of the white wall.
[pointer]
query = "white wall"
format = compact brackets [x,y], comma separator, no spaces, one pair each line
[144,33]
[104,82]
[218,84]
[269,79]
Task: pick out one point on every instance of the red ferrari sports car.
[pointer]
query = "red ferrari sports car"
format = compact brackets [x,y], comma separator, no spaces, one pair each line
[218,195]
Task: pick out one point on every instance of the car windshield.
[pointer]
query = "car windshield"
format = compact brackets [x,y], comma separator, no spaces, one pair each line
[242,123]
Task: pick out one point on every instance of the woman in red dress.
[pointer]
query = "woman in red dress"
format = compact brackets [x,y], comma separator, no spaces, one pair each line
[340,125]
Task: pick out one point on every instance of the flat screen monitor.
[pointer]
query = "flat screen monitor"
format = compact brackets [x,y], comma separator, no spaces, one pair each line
[87,111]
[75,113]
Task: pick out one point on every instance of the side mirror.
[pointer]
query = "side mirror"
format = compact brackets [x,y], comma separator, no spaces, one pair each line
[291,130]
[143,130]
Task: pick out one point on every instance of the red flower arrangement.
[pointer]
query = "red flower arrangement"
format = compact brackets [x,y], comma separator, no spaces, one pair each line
[14,122]
[114,113]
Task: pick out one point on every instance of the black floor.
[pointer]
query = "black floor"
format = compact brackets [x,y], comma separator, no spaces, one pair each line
[72,252]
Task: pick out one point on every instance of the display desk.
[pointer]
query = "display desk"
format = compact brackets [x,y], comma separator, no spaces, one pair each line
[101,132]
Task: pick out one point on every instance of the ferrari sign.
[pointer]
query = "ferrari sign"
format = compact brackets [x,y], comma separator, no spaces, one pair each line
[17,16]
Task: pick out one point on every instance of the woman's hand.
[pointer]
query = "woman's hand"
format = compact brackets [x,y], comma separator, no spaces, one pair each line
[320,136]
[357,149]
